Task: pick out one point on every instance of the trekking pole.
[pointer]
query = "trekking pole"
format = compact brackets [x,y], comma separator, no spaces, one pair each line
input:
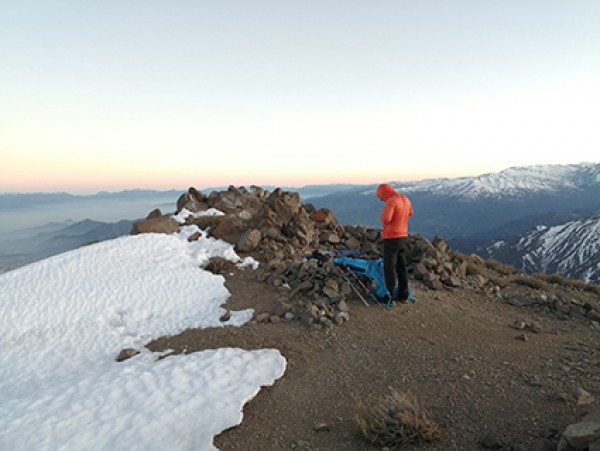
[365,288]
[354,288]
[359,283]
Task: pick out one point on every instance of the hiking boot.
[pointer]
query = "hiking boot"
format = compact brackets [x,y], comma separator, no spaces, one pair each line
[402,301]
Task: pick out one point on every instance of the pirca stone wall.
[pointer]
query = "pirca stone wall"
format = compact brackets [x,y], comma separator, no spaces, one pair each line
[281,232]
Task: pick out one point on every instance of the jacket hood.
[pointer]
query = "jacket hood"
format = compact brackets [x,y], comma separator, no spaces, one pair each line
[385,191]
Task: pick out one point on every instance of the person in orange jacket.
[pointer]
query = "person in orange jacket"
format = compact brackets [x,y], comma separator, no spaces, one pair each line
[397,208]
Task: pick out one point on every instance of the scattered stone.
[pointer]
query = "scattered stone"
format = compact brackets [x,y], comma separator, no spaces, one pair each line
[582,397]
[281,308]
[452,281]
[263,317]
[579,436]
[321,427]
[544,444]
[593,315]
[300,444]
[127,353]
[522,337]
[519,325]
[577,396]
[535,328]
[225,317]
[194,236]
[491,442]
[218,265]
[344,315]
[534,381]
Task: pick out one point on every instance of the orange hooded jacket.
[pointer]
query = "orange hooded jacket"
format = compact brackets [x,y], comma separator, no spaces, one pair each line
[396,211]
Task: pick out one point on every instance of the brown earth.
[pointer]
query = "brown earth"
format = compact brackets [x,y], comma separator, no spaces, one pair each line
[455,350]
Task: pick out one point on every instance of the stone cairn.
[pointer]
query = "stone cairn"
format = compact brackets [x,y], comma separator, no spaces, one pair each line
[281,233]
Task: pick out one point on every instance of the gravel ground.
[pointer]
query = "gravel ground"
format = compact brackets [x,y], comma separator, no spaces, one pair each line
[456,351]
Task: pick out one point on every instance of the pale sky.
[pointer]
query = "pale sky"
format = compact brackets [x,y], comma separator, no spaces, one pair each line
[110,95]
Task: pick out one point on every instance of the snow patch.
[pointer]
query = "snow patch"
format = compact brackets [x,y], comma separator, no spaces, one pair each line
[65,319]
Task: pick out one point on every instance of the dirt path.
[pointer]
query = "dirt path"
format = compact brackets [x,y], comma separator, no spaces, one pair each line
[454,350]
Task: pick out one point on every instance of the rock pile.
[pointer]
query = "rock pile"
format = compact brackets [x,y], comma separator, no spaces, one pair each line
[281,232]
[276,227]
[271,225]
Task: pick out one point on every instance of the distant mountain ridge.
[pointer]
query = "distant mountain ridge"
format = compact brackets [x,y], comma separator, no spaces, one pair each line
[504,215]
[515,182]
[21,200]
[28,246]
[467,206]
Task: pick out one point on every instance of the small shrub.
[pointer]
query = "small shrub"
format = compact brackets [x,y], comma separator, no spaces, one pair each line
[395,421]
[530,282]
[552,278]
[592,288]
[501,268]
[473,269]
[568,283]
[574,283]
[498,281]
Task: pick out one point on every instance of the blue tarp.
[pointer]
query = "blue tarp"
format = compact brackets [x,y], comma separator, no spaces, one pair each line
[373,269]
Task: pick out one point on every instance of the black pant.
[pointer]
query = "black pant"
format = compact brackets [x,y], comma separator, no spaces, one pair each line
[394,266]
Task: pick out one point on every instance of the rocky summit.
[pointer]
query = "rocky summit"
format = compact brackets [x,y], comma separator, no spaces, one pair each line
[504,359]
[282,234]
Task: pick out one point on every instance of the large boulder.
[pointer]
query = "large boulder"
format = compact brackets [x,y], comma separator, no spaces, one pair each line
[286,204]
[161,224]
[230,228]
[249,240]
[193,200]
[231,201]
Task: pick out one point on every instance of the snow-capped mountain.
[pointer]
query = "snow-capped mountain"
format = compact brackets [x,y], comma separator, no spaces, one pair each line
[468,206]
[514,182]
[571,249]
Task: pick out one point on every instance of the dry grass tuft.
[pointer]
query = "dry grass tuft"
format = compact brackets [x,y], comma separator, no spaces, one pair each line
[568,283]
[501,282]
[473,269]
[395,421]
[531,282]
[501,268]
[592,288]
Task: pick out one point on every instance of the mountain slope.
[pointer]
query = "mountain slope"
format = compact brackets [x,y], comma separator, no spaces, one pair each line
[514,182]
[27,246]
[571,249]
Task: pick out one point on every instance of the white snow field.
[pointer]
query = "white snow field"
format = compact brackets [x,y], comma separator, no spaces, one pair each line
[64,320]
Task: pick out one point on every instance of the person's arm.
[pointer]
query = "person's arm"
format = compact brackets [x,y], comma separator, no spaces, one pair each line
[387,213]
